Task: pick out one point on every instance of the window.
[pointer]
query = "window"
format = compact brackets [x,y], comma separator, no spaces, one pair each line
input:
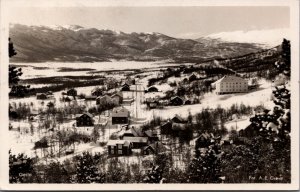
[119,146]
[112,151]
[120,152]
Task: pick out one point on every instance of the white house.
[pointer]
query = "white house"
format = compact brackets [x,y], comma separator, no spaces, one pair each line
[231,84]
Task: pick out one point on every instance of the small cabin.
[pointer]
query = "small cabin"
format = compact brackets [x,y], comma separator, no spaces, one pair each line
[178,119]
[84,120]
[103,99]
[68,98]
[41,96]
[152,135]
[154,148]
[117,98]
[203,141]
[187,102]
[125,87]
[166,128]
[192,77]
[148,150]
[72,92]
[152,103]
[120,116]
[152,89]
[176,101]
[119,147]
[96,92]
[132,132]
[137,142]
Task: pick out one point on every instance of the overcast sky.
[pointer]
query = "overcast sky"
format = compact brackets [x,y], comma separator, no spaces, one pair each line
[173,21]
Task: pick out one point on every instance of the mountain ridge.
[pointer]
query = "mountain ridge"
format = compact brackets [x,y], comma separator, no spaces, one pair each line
[75,43]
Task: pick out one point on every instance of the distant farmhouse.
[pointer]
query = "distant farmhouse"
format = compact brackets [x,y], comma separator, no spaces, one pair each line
[119,147]
[84,120]
[152,89]
[117,98]
[125,87]
[231,84]
[120,116]
[41,96]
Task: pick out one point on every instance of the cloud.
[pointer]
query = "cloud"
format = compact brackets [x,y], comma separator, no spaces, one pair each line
[270,37]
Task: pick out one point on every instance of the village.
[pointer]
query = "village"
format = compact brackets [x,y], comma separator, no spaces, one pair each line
[130,119]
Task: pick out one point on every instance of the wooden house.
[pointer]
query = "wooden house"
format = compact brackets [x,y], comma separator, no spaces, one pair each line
[84,120]
[192,77]
[68,98]
[132,132]
[178,119]
[41,96]
[119,147]
[125,87]
[96,92]
[137,142]
[187,101]
[152,103]
[166,127]
[152,135]
[120,116]
[148,150]
[154,148]
[203,141]
[152,89]
[103,99]
[72,92]
[117,98]
[176,101]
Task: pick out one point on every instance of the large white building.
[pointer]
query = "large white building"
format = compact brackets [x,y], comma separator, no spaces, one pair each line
[231,84]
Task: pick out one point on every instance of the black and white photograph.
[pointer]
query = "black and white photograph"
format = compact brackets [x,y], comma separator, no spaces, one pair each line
[171,94]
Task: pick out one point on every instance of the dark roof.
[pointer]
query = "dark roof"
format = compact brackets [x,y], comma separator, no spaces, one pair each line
[179,118]
[87,113]
[172,98]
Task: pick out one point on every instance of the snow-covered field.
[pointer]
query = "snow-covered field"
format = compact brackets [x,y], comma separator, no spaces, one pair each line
[262,96]
[49,69]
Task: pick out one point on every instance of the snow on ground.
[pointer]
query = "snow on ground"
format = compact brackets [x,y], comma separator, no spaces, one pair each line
[262,96]
[237,125]
[49,69]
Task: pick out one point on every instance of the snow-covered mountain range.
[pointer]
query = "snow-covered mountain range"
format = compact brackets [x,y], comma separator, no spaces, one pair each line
[76,43]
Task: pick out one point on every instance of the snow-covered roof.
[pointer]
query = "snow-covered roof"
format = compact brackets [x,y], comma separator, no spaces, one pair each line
[115,142]
[230,78]
[120,112]
[136,139]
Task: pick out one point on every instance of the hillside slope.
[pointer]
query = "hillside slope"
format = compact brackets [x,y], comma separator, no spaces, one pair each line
[75,43]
